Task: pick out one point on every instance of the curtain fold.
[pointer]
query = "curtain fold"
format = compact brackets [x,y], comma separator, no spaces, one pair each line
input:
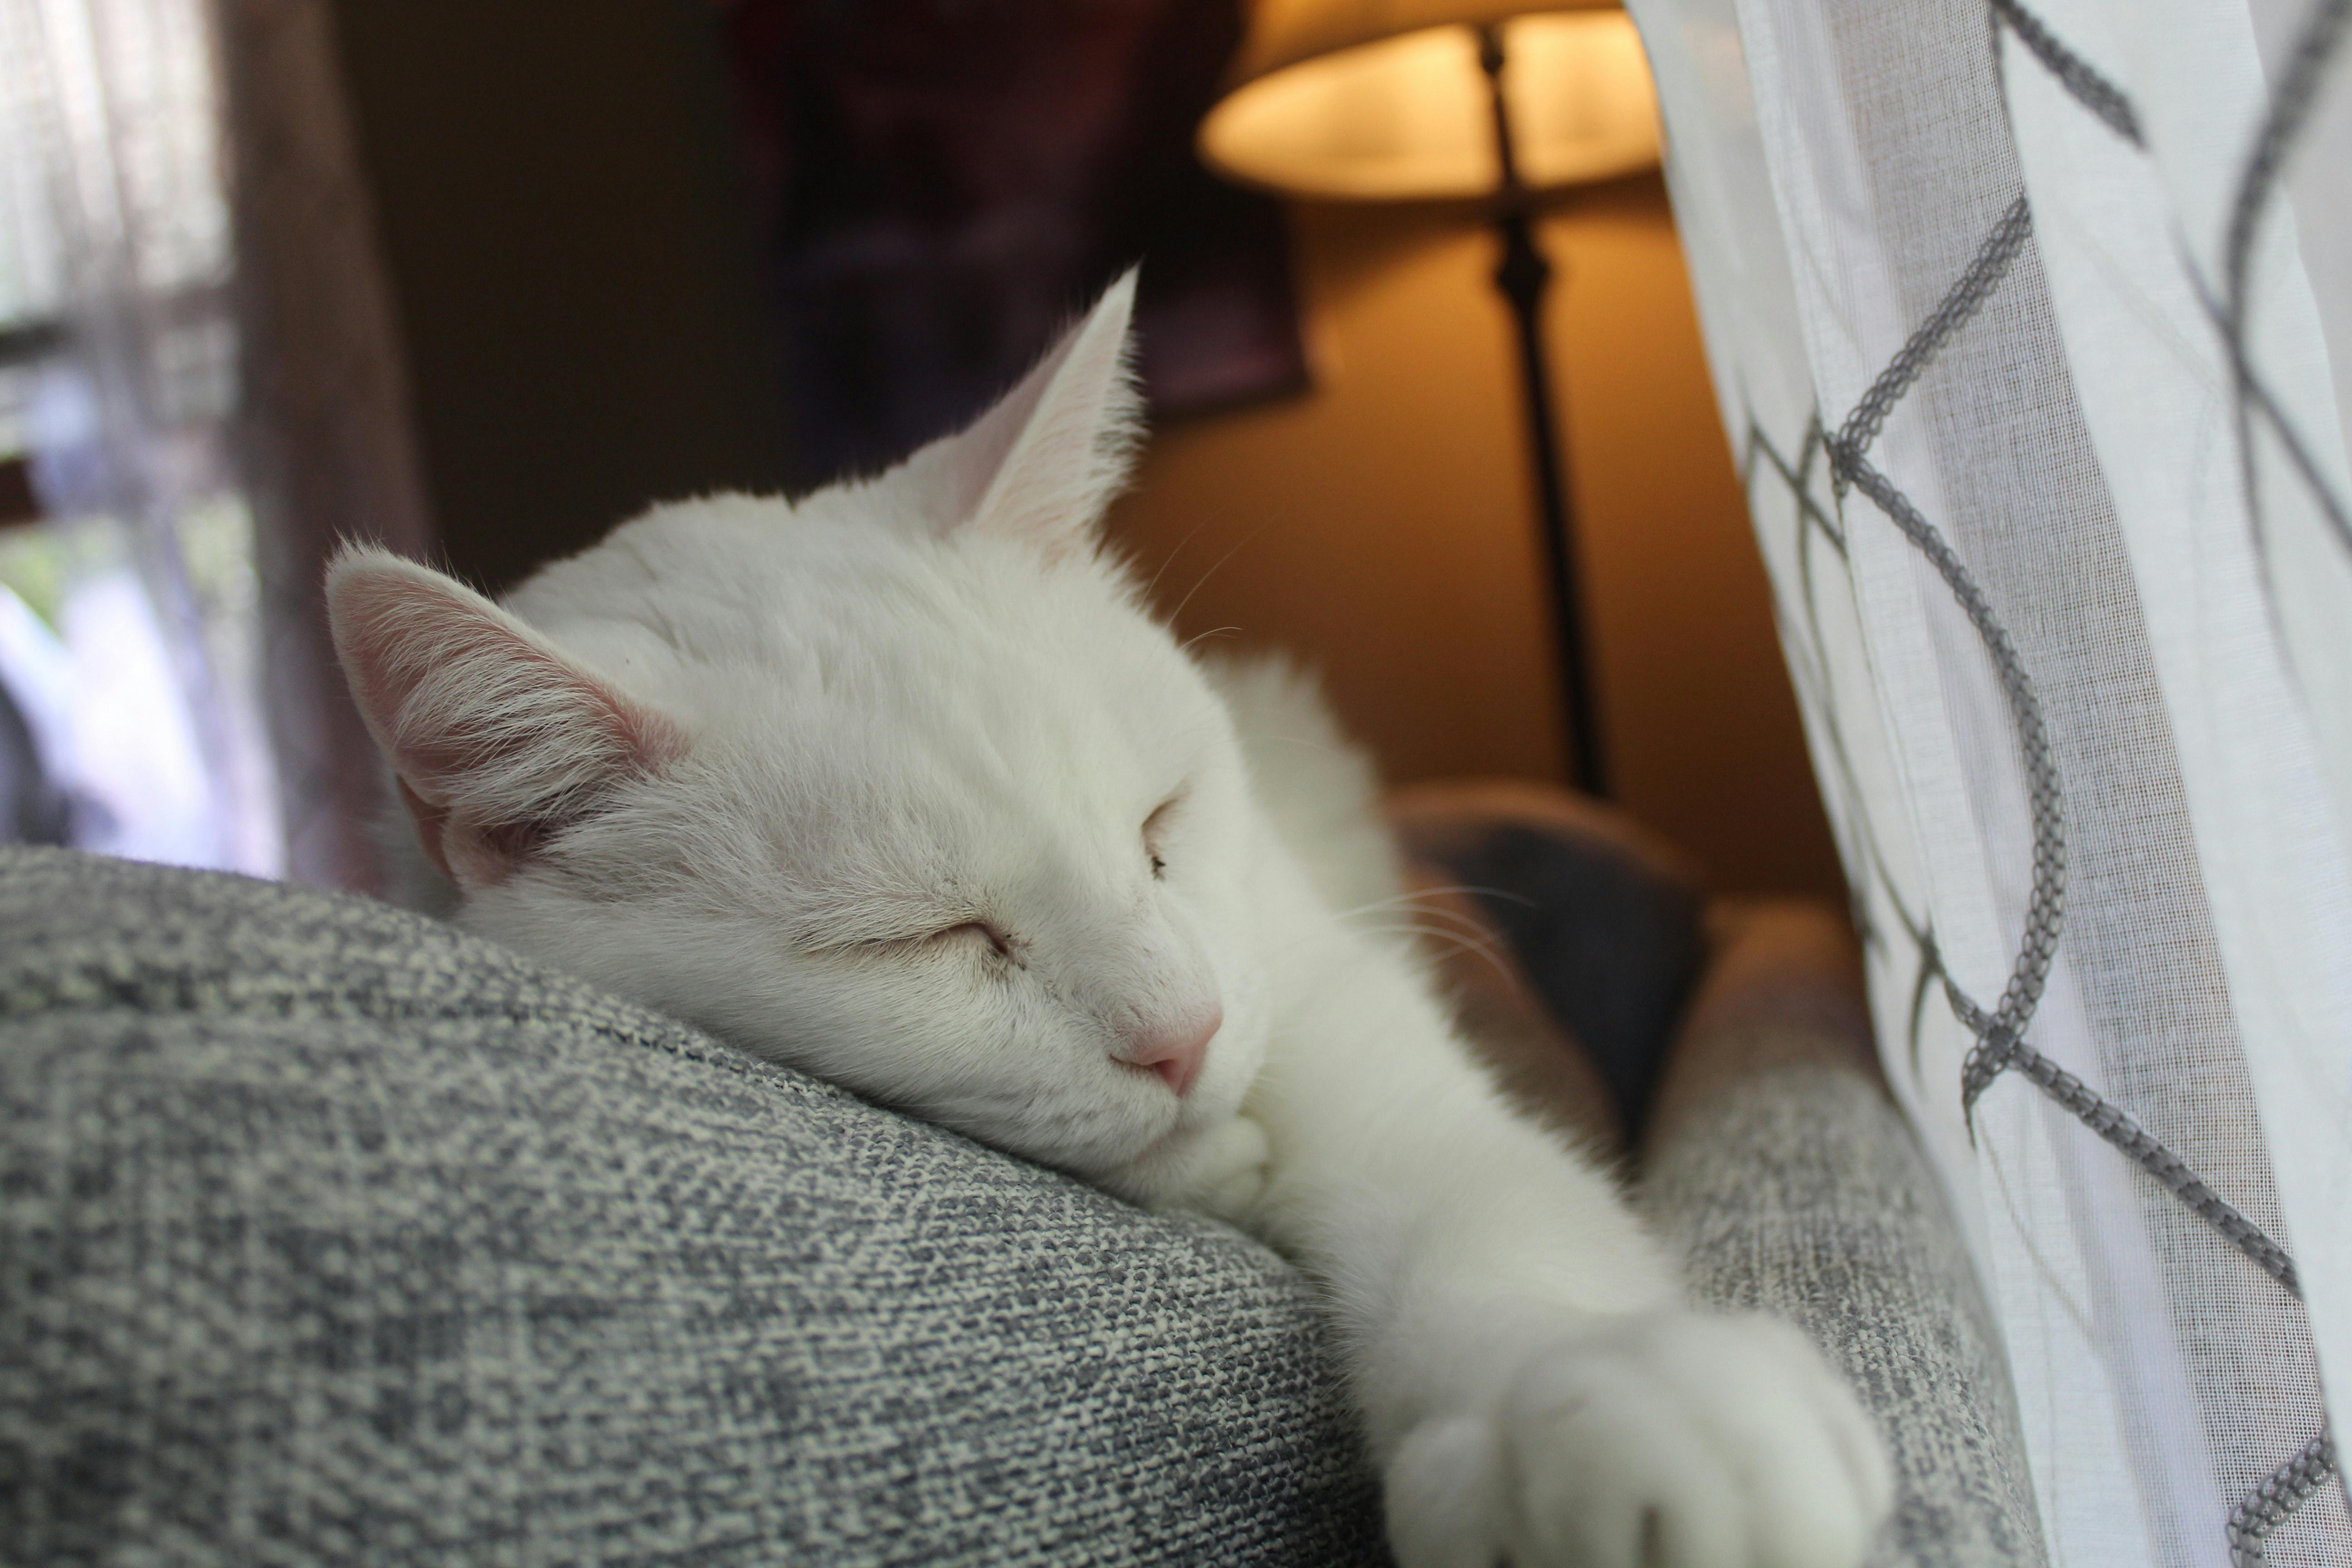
[329,444]
[2017,338]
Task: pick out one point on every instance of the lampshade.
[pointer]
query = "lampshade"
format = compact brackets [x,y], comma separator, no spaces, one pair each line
[1385,100]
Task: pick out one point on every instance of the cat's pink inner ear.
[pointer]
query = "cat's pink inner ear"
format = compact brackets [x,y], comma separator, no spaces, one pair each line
[1043,464]
[497,738]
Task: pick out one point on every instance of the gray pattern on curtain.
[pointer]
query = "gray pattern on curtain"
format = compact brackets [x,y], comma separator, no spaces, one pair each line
[2064,596]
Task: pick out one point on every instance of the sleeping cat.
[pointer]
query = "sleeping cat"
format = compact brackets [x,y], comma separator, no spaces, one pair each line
[902,784]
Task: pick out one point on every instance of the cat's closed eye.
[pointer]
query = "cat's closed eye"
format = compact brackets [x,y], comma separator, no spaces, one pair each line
[972,934]
[977,931]
[1155,827]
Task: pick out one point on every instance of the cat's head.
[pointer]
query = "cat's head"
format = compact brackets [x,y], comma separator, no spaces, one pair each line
[898,783]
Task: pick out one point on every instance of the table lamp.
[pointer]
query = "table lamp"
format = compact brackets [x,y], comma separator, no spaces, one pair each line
[1448,100]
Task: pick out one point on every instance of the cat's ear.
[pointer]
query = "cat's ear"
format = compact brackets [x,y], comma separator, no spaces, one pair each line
[499,739]
[1045,463]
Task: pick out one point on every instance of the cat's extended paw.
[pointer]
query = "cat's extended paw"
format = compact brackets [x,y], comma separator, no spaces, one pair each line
[1673,1441]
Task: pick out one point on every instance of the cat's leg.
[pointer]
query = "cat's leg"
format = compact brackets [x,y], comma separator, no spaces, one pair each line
[1533,1384]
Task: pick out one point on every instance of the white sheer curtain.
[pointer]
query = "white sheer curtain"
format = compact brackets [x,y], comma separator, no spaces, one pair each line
[120,237]
[2037,385]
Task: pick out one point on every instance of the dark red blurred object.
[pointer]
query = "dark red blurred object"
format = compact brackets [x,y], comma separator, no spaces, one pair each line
[948,181]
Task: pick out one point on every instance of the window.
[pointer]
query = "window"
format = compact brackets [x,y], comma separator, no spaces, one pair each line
[129,625]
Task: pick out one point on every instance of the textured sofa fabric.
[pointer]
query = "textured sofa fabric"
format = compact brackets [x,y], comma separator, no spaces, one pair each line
[328,1235]
[1776,1161]
[1801,1193]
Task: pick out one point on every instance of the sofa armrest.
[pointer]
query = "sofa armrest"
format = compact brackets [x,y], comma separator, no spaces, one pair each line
[331,1234]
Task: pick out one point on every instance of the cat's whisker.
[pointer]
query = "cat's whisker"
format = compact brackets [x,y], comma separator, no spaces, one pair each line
[1462,935]
[1152,587]
[1413,897]
[1450,943]
[1466,930]
[1247,539]
[1454,921]
[1406,899]
[1203,636]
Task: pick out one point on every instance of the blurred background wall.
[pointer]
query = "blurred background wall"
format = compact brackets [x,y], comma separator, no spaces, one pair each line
[573,261]
[577,271]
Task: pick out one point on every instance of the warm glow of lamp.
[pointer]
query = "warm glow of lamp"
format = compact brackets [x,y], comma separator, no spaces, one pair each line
[1407,117]
[1429,100]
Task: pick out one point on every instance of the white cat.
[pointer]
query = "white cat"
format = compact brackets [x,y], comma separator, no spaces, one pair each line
[902,783]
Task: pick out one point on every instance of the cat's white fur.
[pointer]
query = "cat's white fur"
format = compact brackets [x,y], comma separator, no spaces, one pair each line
[881,783]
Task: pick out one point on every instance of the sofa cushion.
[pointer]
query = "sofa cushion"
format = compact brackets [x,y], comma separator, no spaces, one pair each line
[329,1234]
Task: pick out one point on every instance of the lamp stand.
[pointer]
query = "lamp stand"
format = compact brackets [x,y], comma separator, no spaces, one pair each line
[1523,277]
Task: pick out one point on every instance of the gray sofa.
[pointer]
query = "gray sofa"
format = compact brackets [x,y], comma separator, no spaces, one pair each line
[331,1235]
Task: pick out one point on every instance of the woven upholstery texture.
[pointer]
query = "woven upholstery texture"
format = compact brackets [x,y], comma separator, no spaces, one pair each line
[330,1235]
[1798,1189]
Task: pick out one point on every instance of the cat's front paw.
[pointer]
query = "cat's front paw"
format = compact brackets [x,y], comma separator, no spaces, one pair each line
[1673,1441]
[1229,1171]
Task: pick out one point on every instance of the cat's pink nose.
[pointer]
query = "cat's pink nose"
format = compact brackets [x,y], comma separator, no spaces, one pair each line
[1176,1050]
